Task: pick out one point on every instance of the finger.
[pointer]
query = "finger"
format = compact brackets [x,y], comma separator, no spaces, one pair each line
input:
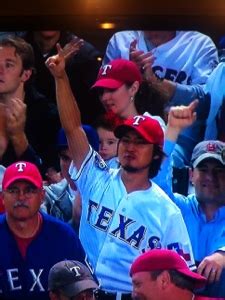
[192,106]
[212,275]
[133,45]
[59,49]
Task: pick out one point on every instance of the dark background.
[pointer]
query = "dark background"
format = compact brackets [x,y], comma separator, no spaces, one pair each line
[84,16]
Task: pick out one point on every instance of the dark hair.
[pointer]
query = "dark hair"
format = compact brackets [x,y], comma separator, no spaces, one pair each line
[156,162]
[149,100]
[109,121]
[177,278]
[22,48]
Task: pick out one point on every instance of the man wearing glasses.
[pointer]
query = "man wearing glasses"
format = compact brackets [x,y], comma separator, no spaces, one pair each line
[31,242]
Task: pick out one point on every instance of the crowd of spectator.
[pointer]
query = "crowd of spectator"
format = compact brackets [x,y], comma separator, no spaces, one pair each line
[112,171]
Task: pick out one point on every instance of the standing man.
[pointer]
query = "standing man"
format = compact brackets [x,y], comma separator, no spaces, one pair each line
[123,211]
[32,242]
[163,274]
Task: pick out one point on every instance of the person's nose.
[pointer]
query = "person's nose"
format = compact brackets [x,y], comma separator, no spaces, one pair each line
[2,69]
[105,95]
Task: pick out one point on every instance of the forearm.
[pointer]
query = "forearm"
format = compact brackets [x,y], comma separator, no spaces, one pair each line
[67,106]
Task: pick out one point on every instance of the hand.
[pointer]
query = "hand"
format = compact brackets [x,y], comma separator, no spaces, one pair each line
[53,176]
[72,48]
[143,60]
[182,116]
[15,116]
[56,63]
[211,266]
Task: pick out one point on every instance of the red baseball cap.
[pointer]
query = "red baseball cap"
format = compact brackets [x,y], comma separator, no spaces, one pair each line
[147,127]
[161,259]
[22,170]
[116,73]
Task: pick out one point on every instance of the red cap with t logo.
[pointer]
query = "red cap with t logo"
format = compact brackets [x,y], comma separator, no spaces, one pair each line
[148,128]
[116,73]
[22,170]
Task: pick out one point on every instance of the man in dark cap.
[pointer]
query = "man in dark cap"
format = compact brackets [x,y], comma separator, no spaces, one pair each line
[71,279]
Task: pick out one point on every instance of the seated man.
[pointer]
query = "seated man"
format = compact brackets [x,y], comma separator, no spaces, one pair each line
[163,274]
[33,241]
[71,280]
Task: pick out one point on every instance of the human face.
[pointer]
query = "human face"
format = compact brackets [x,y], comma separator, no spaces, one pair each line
[107,143]
[209,181]
[12,75]
[134,152]
[144,287]
[119,101]
[22,200]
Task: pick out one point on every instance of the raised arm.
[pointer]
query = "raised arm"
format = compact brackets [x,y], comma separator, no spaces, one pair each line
[68,109]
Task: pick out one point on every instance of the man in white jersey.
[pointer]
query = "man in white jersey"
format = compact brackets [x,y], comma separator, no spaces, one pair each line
[181,62]
[123,212]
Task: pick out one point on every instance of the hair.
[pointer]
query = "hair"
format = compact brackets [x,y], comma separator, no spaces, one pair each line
[148,100]
[22,48]
[156,162]
[177,278]
[109,121]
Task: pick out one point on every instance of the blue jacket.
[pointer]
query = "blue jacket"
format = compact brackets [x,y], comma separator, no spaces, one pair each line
[23,279]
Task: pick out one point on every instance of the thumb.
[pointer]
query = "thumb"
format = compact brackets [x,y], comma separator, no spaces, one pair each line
[193,105]
[133,45]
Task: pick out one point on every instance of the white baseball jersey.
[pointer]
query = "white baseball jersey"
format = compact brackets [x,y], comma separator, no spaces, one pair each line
[117,226]
[188,58]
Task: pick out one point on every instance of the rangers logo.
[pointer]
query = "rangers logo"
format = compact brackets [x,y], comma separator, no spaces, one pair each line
[99,162]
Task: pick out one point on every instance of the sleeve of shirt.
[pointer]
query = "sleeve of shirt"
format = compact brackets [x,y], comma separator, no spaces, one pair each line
[164,176]
[177,239]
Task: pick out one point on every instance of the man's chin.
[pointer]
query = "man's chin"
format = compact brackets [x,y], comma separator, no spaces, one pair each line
[130,169]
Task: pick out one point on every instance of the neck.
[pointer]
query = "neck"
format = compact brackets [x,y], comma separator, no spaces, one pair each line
[209,210]
[129,112]
[135,181]
[24,228]
[19,93]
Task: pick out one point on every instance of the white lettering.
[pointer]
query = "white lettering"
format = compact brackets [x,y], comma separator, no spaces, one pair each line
[138,119]
[106,68]
[36,280]
[21,166]
[12,279]
[75,270]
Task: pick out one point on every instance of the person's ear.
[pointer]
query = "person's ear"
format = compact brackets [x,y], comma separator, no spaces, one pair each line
[26,75]
[164,279]
[134,88]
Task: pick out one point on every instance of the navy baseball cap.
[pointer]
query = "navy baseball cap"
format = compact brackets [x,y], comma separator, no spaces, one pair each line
[208,149]
[91,133]
[71,277]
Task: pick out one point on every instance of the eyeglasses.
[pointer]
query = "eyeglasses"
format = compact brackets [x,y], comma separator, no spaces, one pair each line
[27,192]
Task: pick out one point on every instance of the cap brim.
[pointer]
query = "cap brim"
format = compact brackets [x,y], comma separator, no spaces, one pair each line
[12,180]
[121,130]
[199,280]
[207,156]
[108,83]
[75,288]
